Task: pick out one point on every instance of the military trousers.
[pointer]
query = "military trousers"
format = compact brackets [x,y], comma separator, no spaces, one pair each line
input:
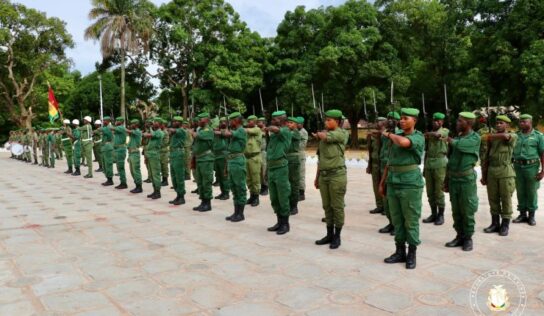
[434,182]
[264,169]
[204,179]
[135,168]
[405,211]
[154,160]
[302,179]
[499,194]
[527,187]
[332,187]
[164,163]
[120,157]
[69,155]
[464,204]
[376,177]
[294,179]
[279,189]
[97,154]
[253,164]
[45,157]
[51,155]
[87,152]
[177,171]
[237,179]
[384,199]
[188,162]
[77,153]
[107,158]
[220,168]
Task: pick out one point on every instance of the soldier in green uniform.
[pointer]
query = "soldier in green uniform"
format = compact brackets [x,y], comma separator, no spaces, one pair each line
[278,171]
[499,176]
[261,123]
[435,168]
[331,177]
[177,159]
[187,147]
[58,144]
[302,157]
[87,144]
[165,153]
[293,158]
[236,165]
[483,131]
[76,141]
[528,159]
[145,141]
[26,143]
[374,143]
[204,159]
[97,144]
[253,160]
[43,146]
[107,151]
[220,143]
[404,186]
[67,143]
[134,142]
[461,180]
[120,147]
[153,156]
[34,141]
[51,144]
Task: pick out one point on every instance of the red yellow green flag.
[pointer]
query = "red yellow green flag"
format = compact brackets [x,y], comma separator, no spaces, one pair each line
[53,106]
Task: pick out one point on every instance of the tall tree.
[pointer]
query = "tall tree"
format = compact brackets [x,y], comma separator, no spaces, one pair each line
[123,27]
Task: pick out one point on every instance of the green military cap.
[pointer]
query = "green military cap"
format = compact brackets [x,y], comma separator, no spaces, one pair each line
[120,119]
[439,116]
[292,119]
[381,118]
[409,112]
[134,121]
[467,115]
[252,117]
[234,115]
[177,118]
[525,117]
[204,115]
[394,115]
[278,113]
[262,119]
[504,118]
[107,118]
[300,119]
[222,119]
[336,114]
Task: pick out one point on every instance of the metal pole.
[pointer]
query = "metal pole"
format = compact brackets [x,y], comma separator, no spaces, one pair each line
[101,103]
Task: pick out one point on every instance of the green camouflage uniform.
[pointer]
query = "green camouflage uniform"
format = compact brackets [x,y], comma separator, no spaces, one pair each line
[278,171]
[220,144]
[203,152]
[188,154]
[236,162]
[165,152]
[134,142]
[51,141]
[177,160]
[119,143]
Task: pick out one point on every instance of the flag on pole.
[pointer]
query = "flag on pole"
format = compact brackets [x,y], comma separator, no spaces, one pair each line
[53,106]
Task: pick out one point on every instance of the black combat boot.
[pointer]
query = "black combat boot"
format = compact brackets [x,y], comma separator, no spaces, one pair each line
[152,193]
[522,218]
[531,219]
[264,190]
[223,196]
[148,180]
[76,173]
[195,191]
[336,242]
[206,206]
[467,244]
[432,217]
[69,171]
[108,182]
[99,169]
[137,189]
[199,207]
[156,195]
[180,200]
[121,186]
[377,210]
[398,256]
[276,226]
[164,182]
[230,217]
[255,200]
[411,257]
[440,217]
[327,239]
[323,219]
[88,176]
[456,242]
[301,195]
[284,225]
[294,209]
[251,198]
[238,214]
[495,225]
[505,225]
[387,229]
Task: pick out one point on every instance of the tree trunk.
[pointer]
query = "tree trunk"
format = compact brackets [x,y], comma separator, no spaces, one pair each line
[122,110]
[354,133]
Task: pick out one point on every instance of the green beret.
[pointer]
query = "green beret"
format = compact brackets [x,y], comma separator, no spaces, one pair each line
[252,117]
[439,116]
[394,115]
[234,115]
[292,119]
[177,118]
[278,113]
[120,119]
[223,119]
[134,121]
[204,115]
[409,112]
[467,115]
[504,118]
[381,118]
[107,118]
[336,114]
[525,117]
[262,119]
[300,119]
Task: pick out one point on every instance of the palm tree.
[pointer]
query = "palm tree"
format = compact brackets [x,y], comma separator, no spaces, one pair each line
[122,26]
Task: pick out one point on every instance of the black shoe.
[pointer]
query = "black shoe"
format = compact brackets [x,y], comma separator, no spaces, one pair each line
[411,257]
[531,220]
[327,239]
[108,182]
[440,217]
[228,218]
[180,200]
[398,256]
[223,196]
[255,200]
[121,186]
[88,176]
[195,191]
[276,226]
[199,207]
[238,214]
[147,180]
[387,229]
[505,225]
[251,198]
[377,210]
[69,171]
[264,190]
[467,244]
[294,210]
[98,170]
[432,217]
[150,195]
[206,206]
[522,218]
[164,182]
[456,242]
[301,195]
[76,173]
[156,195]
[137,189]
[216,183]
[336,242]
[495,225]
[323,219]
[284,225]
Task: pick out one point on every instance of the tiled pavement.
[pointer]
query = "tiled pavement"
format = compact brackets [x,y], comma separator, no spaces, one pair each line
[70,246]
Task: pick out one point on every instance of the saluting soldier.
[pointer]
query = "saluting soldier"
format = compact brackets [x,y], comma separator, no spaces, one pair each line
[293,158]
[278,171]
[236,165]
[499,176]
[120,149]
[404,186]
[153,156]
[220,144]
[261,123]
[331,177]
[528,160]
[134,143]
[76,141]
[97,144]
[374,144]
[86,132]
[302,155]
[165,152]
[67,144]
[253,160]
[107,151]
[204,159]
[434,169]
[177,159]
[461,180]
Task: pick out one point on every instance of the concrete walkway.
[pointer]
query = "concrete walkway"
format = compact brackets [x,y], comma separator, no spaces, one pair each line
[69,246]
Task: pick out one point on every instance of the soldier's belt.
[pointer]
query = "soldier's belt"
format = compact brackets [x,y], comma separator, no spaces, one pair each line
[276,163]
[233,156]
[402,168]
[524,162]
[332,171]
[251,155]
[120,146]
[133,150]
[460,174]
[207,152]
[97,141]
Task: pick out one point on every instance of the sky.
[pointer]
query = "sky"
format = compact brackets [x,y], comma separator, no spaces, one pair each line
[262,16]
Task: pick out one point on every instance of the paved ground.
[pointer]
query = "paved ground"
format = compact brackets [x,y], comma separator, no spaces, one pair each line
[70,246]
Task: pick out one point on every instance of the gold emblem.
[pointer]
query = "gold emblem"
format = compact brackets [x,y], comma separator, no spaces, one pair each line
[497,300]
